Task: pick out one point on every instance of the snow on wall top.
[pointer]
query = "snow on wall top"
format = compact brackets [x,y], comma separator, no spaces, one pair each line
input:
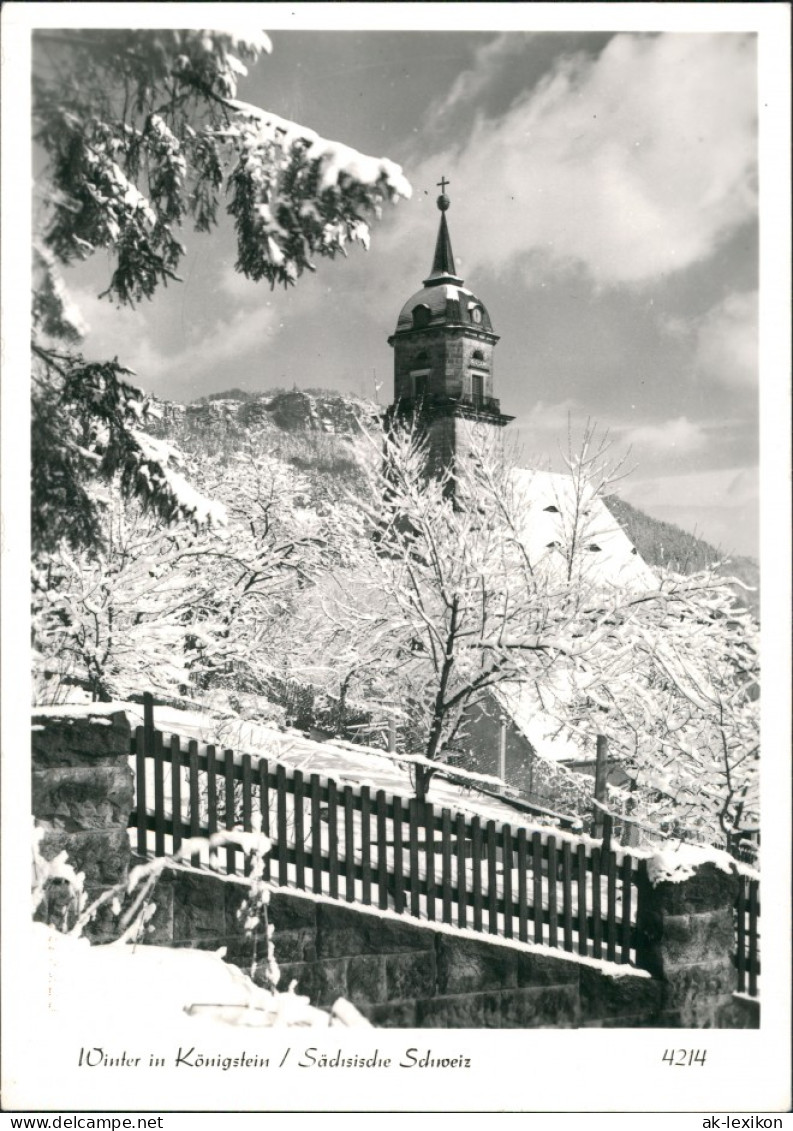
[678,862]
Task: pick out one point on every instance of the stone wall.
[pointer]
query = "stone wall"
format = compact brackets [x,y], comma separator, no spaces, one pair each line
[404,974]
[82,792]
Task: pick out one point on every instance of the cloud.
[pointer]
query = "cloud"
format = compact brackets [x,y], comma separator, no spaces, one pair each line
[673,436]
[234,284]
[550,417]
[488,60]
[130,335]
[632,165]
[726,341]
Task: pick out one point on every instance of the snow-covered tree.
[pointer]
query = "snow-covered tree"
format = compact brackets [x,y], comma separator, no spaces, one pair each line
[178,609]
[451,590]
[431,608]
[273,547]
[140,132]
[121,617]
[680,707]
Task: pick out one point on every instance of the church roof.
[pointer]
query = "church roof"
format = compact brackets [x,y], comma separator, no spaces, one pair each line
[447,303]
[443,293]
[547,505]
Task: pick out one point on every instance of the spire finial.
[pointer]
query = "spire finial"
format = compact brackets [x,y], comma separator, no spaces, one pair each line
[443,262]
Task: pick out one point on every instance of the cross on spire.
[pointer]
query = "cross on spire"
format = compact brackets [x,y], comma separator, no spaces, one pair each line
[442,183]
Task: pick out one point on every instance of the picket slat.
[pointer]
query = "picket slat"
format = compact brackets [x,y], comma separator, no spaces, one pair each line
[523,894]
[567,894]
[247,805]
[159,795]
[462,887]
[506,850]
[195,807]
[446,865]
[626,909]
[597,924]
[349,845]
[231,855]
[176,793]
[413,845]
[281,835]
[476,871]
[366,846]
[611,928]
[553,915]
[492,879]
[582,901]
[382,851]
[333,840]
[140,788]
[740,909]
[754,910]
[399,870]
[212,800]
[316,835]
[536,870]
[298,811]
[264,809]
[429,854]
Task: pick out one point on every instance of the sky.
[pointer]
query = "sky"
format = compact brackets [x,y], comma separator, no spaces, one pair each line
[603,192]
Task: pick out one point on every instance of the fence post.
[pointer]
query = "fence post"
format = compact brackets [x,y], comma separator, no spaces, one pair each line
[601,776]
[685,936]
[82,795]
[502,754]
[148,722]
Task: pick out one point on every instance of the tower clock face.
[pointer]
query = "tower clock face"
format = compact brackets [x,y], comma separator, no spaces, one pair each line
[476,314]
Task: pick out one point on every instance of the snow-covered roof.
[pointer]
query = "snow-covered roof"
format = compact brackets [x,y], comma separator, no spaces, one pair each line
[553,511]
[548,738]
[437,298]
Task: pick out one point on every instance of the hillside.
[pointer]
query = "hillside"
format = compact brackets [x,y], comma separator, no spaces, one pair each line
[663,544]
[310,429]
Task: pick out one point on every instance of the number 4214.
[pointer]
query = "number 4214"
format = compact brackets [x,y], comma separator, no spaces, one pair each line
[684,1058]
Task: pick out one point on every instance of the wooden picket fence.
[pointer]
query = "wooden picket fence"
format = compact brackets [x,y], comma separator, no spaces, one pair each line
[384,851]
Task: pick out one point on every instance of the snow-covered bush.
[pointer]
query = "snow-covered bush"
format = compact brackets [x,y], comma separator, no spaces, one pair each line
[121,979]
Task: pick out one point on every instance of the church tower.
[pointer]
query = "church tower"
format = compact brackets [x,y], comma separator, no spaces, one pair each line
[443,357]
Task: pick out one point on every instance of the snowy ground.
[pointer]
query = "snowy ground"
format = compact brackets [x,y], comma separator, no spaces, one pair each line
[102,983]
[345,762]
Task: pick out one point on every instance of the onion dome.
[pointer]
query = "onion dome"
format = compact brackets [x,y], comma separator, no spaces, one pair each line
[443,300]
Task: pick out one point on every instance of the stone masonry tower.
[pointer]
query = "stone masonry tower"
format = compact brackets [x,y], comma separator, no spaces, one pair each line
[443,357]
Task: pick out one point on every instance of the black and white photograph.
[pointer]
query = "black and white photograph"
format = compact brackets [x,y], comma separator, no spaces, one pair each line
[396,617]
